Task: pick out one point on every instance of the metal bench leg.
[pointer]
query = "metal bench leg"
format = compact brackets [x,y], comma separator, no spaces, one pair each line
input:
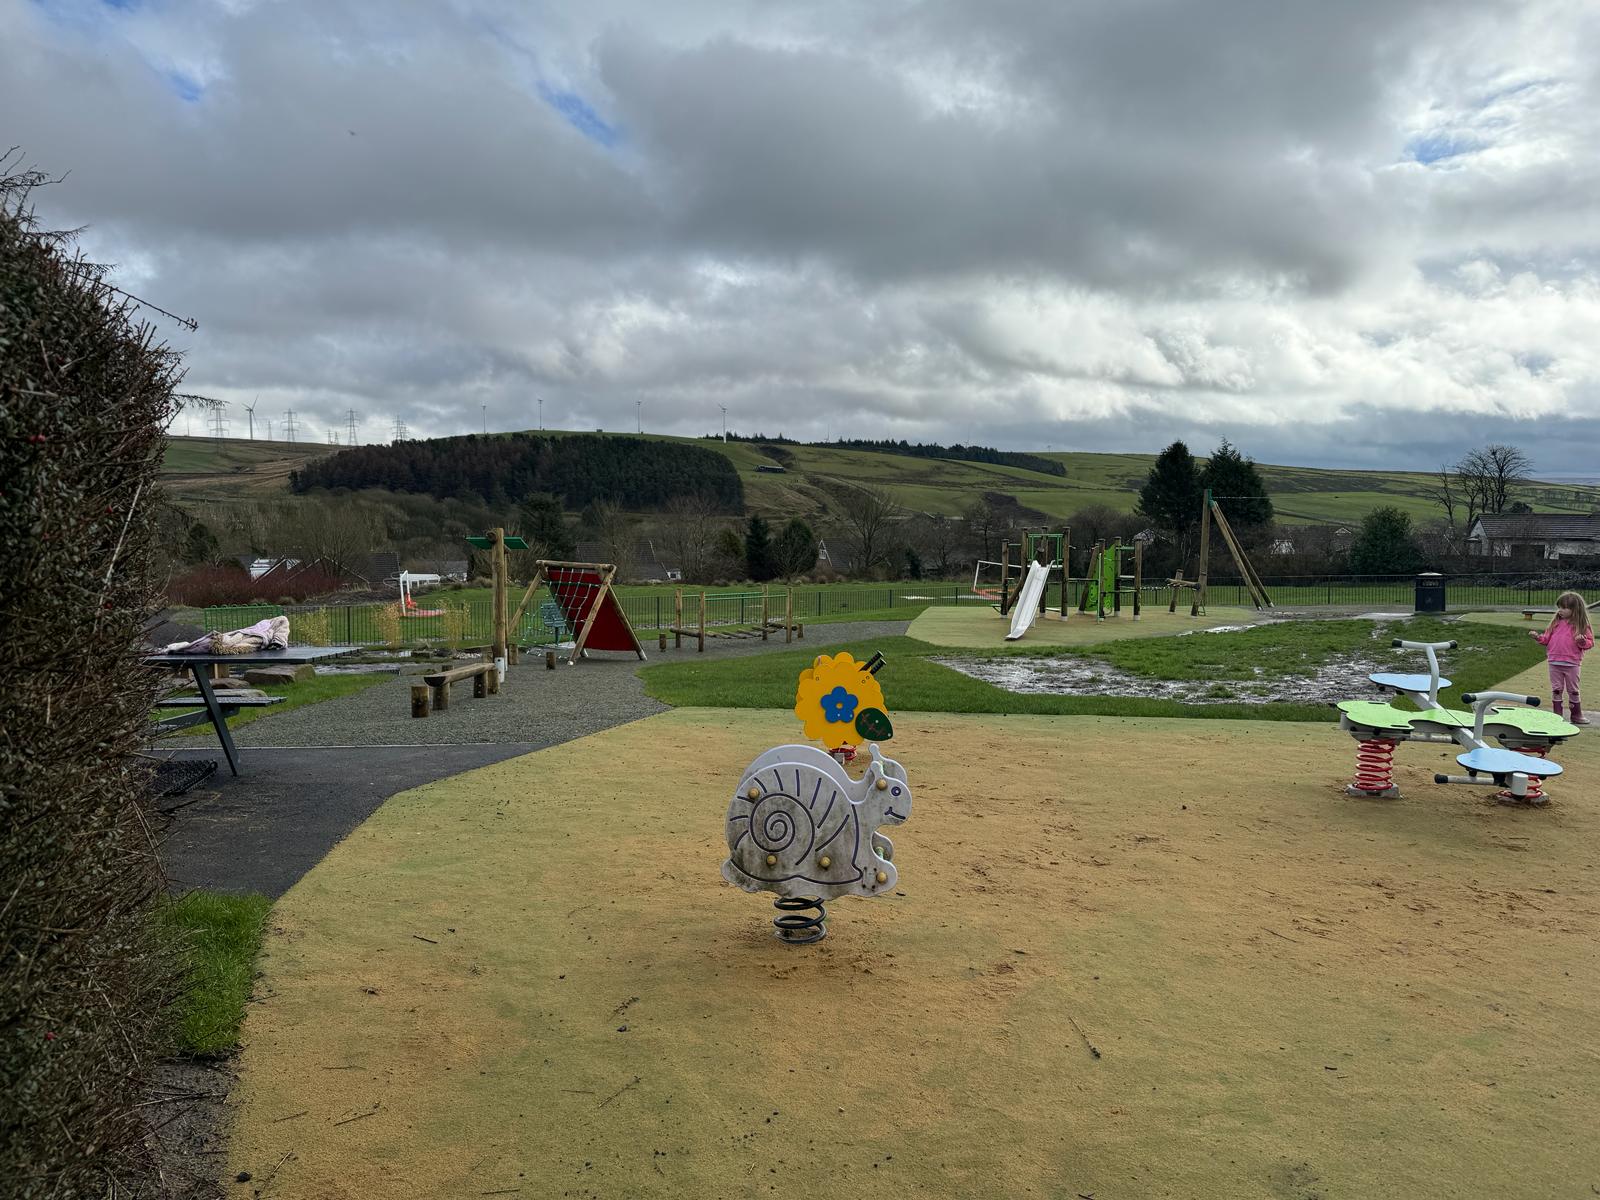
[218,721]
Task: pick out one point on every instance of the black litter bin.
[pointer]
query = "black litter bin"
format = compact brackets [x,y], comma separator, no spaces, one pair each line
[1430,592]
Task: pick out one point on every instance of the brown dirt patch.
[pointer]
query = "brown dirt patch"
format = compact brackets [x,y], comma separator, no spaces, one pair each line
[1293,993]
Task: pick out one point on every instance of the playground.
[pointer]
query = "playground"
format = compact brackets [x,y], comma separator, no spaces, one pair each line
[531,977]
[1111,951]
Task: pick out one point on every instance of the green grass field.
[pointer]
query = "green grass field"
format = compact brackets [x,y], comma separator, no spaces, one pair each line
[198,468]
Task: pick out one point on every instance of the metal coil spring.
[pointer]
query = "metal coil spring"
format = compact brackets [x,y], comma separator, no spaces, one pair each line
[796,925]
[1374,764]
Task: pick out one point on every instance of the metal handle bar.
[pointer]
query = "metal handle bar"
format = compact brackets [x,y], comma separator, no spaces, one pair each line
[1398,644]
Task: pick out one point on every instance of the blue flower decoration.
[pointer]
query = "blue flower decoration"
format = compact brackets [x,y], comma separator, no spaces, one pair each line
[839,705]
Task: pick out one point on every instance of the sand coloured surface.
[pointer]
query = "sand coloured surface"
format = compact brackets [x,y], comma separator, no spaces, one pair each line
[981,626]
[1293,993]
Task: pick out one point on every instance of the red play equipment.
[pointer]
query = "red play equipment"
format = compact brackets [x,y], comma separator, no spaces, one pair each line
[583,590]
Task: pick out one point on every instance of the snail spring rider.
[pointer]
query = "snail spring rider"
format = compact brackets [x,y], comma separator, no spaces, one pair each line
[799,825]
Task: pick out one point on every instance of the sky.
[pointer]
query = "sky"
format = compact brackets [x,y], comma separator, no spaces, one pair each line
[1363,234]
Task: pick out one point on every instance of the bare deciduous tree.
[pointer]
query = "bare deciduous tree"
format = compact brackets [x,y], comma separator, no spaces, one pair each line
[317,531]
[613,529]
[1490,475]
[689,534]
[867,518]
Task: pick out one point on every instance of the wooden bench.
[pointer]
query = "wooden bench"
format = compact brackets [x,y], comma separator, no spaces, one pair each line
[485,682]
[1529,614]
[230,701]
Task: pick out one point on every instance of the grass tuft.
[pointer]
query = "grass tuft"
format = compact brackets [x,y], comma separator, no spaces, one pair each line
[219,937]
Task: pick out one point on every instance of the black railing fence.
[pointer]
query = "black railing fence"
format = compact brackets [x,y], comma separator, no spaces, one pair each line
[441,620]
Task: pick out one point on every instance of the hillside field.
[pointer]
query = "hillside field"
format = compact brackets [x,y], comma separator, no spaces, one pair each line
[205,469]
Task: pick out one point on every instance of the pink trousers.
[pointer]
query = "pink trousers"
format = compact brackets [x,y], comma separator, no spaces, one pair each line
[1564,678]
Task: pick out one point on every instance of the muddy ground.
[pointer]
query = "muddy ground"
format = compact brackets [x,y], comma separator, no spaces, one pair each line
[1125,959]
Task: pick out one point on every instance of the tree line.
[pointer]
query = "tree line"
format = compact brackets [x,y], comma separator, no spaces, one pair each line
[501,470]
[982,454]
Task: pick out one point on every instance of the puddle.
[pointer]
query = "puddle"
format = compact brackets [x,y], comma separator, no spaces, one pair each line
[1338,679]
[1229,628]
[360,669]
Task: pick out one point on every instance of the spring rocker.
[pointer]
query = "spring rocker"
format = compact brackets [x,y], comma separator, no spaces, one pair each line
[799,825]
[1518,766]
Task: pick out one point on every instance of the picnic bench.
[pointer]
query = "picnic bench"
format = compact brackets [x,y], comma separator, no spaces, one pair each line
[231,701]
[199,665]
[435,686]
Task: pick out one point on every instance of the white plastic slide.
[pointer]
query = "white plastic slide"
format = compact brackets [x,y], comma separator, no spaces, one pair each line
[1026,607]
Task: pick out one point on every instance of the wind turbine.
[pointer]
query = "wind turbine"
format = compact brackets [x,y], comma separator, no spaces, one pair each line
[250,412]
[724,409]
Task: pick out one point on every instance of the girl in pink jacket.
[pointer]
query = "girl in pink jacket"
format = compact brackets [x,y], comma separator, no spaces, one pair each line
[1566,638]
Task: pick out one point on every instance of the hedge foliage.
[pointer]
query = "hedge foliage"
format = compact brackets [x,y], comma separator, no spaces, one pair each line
[85,393]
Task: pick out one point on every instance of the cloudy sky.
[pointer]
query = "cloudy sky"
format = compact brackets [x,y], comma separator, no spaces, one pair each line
[1363,233]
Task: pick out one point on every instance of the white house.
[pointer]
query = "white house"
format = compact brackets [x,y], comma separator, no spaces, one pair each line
[1548,536]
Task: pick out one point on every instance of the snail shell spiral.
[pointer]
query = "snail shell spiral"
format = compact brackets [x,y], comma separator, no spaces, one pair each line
[799,831]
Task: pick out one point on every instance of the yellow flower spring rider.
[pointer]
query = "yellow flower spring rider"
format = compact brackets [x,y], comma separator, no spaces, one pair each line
[798,824]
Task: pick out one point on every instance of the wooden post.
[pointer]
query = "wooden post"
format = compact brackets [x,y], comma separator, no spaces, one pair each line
[549,660]
[661,640]
[1117,551]
[765,611]
[1205,556]
[1100,579]
[788,616]
[480,684]
[515,621]
[1172,605]
[499,595]
[677,620]
[441,696]
[420,707]
[1066,566]
[1005,578]
[594,611]
[702,649]
[1138,576]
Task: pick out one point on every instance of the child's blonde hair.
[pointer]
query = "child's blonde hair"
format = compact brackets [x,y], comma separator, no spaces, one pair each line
[1580,613]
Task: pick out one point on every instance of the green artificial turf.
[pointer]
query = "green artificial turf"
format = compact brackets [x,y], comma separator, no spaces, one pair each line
[219,937]
[912,683]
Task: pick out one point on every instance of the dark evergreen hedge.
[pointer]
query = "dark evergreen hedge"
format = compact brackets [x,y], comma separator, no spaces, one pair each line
[636,473]
[85,394]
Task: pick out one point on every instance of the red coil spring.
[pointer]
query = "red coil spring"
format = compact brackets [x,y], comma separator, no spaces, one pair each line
[1375,765]
[1535,793]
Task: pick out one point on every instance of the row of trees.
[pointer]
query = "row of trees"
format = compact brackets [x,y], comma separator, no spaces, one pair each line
[638,473]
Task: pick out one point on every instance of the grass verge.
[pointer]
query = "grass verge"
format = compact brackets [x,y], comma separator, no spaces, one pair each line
[220,937]
[1487,654]
[295,695]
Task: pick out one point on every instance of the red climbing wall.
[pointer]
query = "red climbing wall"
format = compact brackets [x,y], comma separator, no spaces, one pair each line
[574,589]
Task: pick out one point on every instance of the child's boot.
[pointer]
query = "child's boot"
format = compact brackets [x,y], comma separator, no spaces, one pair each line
[1577,714]
[1555,706]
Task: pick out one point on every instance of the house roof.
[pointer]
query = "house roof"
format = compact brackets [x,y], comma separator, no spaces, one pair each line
[1566,526]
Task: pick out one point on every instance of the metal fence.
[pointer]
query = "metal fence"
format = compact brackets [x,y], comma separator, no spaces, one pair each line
[443,621]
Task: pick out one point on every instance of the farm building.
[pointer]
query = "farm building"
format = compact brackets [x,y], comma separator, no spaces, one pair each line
[1547,536]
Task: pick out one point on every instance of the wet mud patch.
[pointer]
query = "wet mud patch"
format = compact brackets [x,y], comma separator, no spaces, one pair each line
[1338,679]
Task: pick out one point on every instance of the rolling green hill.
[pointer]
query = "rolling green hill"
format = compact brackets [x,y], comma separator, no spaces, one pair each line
[204,469]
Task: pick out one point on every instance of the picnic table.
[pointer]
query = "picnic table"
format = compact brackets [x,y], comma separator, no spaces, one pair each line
[220,710]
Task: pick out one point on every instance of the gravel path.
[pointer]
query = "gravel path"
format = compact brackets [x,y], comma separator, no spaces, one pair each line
[536,708]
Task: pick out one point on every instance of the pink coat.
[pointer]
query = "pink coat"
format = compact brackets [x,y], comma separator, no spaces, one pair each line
[1563,645]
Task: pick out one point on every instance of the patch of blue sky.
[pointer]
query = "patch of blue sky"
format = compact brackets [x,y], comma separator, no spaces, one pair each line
[580,115]
[124,5]
[1440,147]
[185,88]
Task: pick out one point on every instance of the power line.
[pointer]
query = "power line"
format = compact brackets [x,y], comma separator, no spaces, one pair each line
[399,430]
[219,421]
[290,426]
[350,428]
